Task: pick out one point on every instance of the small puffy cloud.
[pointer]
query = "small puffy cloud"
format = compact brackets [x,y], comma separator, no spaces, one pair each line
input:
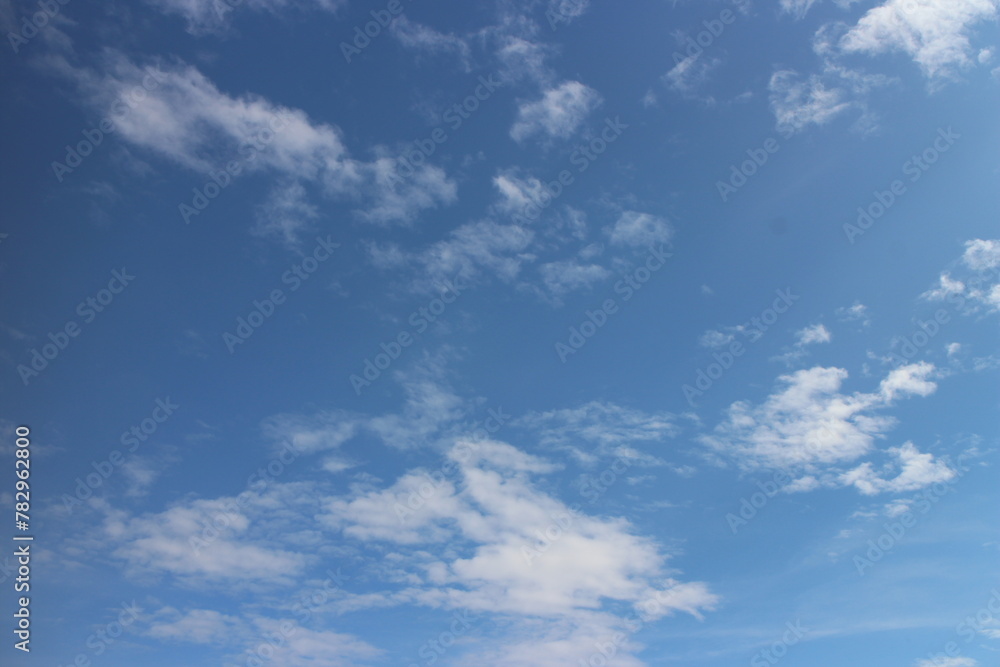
[713,338]
[811,335]
[916,470]
[637,229]
[909,380]
[565,276]
[857,312]
[798,102]
[978,285]
[516,191]
[558,114]
[690,74]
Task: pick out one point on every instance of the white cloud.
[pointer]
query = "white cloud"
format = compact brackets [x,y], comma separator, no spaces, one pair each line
[197,626]
[521,58]
[809,424]
[311,434]
[858,312]
[188,120]
[306,647]
[917,470]
[475,247]
[935,33]
[982,255]
[558,114]
[420,37]
[140,474]
[811,335]
[980,289]
[568,9]
[221,541]
[598,429]
[491,517]
[207,16]
[801,7]
[288,643]
[564,276]
[798,103]
[690,74]
[948,662]
[637,229]
[798,7]
[517,192]
[430,407]
[909,380]
[715,339]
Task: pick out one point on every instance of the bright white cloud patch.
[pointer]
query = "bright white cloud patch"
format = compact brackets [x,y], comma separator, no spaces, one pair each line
[188,120]
[558,114]
[809,425]
[219,541]
[523,552]
[978,287]
[916,470]
[811,335]
[935,33]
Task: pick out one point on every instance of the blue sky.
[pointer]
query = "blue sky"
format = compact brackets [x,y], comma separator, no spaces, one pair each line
[526,333]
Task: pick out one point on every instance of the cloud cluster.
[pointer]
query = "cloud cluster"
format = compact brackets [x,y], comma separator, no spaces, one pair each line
[811,428]
[187,120]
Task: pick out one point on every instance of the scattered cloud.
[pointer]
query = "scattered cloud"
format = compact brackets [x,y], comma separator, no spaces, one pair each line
[972,293]
[213,16]
[639,230]
[808,426]
[558,114]
[857,312]
[186,119]
[934,33]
